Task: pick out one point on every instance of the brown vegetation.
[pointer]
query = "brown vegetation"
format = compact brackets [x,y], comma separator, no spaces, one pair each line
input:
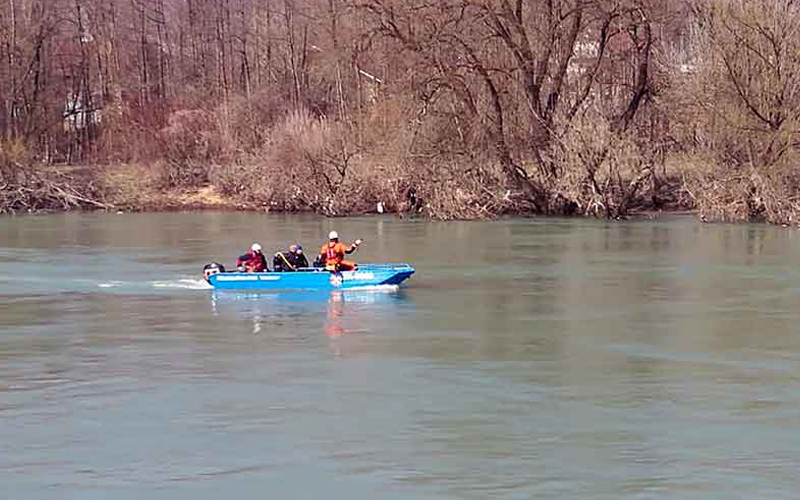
[26,188]
[449,109]
[744,97]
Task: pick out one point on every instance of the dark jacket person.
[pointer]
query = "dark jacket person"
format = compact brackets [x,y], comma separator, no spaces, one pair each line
[290,261]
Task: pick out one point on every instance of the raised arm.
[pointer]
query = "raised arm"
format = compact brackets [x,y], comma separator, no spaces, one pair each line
[353,247]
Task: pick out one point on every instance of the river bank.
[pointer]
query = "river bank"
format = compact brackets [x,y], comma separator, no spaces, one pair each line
[143,188]
[147,188]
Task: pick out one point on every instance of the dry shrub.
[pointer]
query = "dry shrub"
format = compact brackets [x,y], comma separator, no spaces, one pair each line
[603,173]
[15,156]
[252,118]
[129,135]
[47,189]
[454,189]
[419,165]
[313,164]
[193,140]
[129,185]
[303,165]
[394,188]
[26,186]
[745,194]
[745,108]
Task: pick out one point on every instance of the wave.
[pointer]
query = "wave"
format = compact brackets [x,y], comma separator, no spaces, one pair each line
[183,284]
[111,284]
[201,284]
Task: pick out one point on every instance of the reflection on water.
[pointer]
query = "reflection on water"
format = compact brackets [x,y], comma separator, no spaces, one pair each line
[525,359]
[345,311]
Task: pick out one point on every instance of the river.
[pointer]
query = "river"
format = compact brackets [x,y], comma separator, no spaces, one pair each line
[527,358]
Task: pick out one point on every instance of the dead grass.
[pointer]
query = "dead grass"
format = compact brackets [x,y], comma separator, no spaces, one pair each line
[138,187]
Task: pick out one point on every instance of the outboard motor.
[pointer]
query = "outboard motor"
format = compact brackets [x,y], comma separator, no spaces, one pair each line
[211,269]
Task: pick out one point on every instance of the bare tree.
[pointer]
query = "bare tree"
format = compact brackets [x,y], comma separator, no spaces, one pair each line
[745,79]
[524,70]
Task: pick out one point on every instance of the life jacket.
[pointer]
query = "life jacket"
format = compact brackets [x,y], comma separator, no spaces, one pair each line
[334,255]
[259,263]
[253,263]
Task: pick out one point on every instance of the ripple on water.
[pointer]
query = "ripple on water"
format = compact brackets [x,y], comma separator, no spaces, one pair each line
[525,359]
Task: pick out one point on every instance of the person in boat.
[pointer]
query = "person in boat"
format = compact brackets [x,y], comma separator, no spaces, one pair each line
[253,261]
[290,261]
[333,253]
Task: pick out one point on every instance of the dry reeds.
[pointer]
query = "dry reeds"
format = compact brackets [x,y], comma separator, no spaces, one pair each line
[26,187]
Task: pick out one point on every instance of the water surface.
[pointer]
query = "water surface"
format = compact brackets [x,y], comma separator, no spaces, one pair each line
[538,358]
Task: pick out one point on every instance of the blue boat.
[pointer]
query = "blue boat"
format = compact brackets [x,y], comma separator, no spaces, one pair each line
[365,276]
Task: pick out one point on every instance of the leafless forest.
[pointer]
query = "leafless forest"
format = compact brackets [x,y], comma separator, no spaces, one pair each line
[443,108]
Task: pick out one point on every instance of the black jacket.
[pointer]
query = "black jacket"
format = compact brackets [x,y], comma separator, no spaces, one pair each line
[288,261]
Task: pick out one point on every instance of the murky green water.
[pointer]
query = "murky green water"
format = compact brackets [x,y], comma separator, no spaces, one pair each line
[525,359]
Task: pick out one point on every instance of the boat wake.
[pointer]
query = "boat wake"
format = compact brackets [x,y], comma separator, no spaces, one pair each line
[111,284]
[201,284]
[177,284]
[183,284]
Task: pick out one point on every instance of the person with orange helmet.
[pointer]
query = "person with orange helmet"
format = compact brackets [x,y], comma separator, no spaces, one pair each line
[332,253]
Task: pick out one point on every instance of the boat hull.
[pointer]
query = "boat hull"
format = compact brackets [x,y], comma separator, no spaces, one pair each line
[367,275]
